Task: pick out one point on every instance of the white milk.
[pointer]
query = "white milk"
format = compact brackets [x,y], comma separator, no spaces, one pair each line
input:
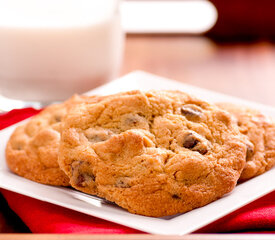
[50,49]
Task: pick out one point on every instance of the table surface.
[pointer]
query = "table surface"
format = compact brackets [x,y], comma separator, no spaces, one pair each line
[245,70]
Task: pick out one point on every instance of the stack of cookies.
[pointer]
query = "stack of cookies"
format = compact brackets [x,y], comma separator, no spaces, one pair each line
[154,153]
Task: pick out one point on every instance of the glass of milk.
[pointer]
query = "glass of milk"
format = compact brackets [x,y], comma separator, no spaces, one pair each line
[51,49]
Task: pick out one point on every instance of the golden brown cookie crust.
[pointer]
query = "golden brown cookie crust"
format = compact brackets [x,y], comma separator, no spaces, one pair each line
[153,153]
[259,131]
[32,149]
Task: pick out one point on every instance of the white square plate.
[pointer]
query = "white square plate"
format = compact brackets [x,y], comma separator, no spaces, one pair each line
[178,224]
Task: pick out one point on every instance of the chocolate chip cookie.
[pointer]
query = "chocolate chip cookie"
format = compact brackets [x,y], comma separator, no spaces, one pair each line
[32,149]
[259,132]
[154,153]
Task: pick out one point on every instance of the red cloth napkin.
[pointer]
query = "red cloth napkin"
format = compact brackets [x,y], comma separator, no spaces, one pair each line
[43,217]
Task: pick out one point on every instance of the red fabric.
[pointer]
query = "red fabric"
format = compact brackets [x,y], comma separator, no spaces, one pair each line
[16,115]
[43,217]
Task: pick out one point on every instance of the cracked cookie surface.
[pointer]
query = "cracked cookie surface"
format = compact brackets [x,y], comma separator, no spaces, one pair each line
[154,153]
[259,132]
[32,149]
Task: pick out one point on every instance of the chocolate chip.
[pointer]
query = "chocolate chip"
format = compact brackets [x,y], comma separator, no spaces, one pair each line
[249,150]
[57,118]
[202,151]
[175,196]
[133,120]
[190,141]
[191,112]
[97,135]
[83,179]
[82,173]
[80,180]
[195,142]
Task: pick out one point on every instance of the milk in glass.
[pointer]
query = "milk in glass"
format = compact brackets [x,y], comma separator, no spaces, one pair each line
[51,49]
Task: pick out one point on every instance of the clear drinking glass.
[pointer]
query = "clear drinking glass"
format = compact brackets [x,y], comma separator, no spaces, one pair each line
[52,49]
